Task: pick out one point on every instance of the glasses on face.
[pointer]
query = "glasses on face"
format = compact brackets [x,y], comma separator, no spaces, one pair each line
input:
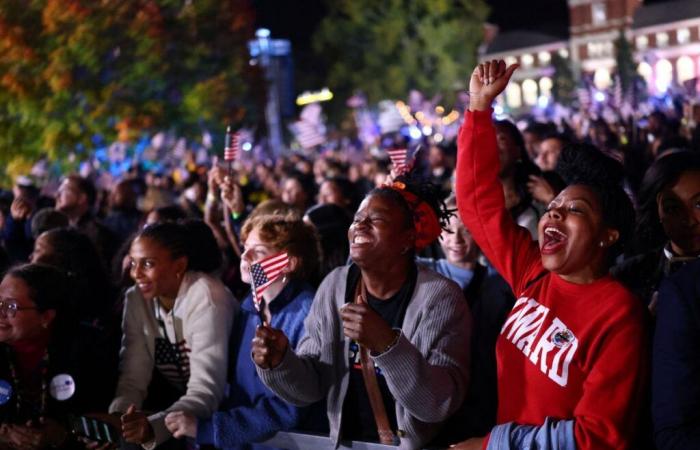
[9,308]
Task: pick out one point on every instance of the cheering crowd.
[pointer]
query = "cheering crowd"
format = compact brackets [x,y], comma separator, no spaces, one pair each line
[508,290]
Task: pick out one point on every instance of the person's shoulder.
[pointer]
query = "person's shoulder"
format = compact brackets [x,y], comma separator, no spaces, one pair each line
[334,277]
[431,282]
[686,281]
[203,286]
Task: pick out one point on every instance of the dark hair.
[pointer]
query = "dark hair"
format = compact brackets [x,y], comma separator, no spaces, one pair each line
[170,213]
[305,181]
[512,130]
[47,219]
[346,188]
[584,164]
[76,255]
[332,223]
[47,285]
[664,172]
[190,238]
[86,186]
[424,190]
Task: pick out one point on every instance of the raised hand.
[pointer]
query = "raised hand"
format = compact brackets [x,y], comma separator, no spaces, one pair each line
[269,347]
[488,80]
[231,195]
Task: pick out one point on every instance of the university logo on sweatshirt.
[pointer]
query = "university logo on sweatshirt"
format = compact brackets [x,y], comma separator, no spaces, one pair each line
[552,350]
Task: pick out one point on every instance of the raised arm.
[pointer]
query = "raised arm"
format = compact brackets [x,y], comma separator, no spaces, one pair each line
[479,191]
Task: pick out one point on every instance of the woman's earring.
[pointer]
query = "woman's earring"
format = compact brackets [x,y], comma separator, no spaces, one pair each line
[601,244]
[284,278]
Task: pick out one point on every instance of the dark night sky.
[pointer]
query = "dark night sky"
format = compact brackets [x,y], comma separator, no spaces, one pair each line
[297,20]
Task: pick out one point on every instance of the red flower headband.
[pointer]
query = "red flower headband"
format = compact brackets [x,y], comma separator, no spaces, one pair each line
[424,217]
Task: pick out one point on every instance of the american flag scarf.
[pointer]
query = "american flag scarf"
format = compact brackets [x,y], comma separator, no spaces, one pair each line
[263,273]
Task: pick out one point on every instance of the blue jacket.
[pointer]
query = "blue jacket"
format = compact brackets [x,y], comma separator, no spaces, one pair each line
[250,412]
[676,361]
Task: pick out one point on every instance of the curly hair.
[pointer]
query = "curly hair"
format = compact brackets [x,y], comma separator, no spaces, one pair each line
[289,233]
[584,164]
[426,191]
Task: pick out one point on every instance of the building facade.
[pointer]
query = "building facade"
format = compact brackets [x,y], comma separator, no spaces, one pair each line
[665,38]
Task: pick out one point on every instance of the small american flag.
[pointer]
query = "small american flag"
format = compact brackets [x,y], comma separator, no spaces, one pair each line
[264,273]
[233,146]
[398,158]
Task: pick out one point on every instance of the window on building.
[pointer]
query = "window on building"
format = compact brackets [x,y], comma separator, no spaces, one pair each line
[644,70]
[598,13]
[661,39]
[664,75]
[527,60]
[601,79]
[683,36]
[607,49]
[513,95]
[544,58]
[546,87]
[642,42]
[685,68]
[529,92]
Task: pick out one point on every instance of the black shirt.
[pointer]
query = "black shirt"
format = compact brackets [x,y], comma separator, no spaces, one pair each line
[358,422]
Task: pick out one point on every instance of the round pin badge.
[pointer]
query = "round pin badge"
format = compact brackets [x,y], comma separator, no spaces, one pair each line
[563,338]
[62,387]
[5,392]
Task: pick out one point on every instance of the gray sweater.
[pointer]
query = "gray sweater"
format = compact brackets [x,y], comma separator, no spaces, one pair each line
[426,371]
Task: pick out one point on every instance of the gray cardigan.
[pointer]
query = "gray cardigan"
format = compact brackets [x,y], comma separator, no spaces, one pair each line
[426,371]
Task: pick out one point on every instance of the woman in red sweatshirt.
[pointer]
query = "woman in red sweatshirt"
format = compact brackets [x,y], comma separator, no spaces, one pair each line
[572,356]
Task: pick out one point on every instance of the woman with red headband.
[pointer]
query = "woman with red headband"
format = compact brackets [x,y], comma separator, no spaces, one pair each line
[572,354]
[387,343]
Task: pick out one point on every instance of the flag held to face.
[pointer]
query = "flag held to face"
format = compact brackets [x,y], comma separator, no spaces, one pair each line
[264,272]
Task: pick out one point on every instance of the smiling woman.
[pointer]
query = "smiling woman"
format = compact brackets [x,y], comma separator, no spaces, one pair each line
[176,324]
[575,335]
[387,342]
[46,374]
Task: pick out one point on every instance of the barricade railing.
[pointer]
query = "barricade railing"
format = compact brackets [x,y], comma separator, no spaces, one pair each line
[304,441]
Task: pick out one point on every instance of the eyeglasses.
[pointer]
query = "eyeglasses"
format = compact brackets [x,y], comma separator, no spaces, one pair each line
[9,309]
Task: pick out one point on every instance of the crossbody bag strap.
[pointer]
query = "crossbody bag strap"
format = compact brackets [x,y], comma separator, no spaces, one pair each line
[369,374]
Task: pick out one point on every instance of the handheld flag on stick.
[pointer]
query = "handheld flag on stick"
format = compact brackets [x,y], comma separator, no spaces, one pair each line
[231,148]
[399,160]
[263,273]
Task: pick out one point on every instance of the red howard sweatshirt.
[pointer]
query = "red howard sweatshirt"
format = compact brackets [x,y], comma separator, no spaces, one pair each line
[566,351]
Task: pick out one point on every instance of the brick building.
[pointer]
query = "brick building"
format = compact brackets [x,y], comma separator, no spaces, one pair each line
[665,38]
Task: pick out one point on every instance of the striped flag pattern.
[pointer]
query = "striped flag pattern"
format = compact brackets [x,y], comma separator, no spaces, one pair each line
[233,145]
[264,272]
[617,92]
[399,159]
[584,98]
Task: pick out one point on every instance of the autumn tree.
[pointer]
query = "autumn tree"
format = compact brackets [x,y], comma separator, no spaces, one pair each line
[73,71]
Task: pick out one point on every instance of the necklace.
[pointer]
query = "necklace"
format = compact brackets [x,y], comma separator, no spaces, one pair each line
[43,368]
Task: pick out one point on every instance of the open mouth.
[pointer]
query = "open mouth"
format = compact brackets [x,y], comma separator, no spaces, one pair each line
[553,240]
[360,240]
